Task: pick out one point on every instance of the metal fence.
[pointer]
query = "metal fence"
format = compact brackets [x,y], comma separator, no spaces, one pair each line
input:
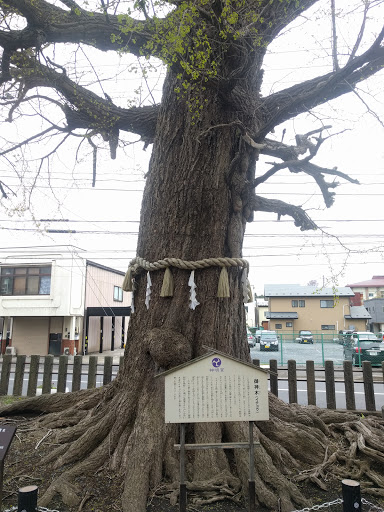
[321,347]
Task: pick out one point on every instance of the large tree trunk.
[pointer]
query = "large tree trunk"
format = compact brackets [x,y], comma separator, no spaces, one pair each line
[195,206]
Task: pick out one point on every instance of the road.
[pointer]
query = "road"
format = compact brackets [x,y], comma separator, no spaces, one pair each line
[318,352]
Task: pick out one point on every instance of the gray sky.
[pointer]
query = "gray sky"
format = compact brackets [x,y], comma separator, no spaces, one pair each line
[348,248]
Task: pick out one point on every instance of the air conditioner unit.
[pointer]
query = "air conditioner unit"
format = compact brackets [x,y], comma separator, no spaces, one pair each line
[10,351]
[66,351]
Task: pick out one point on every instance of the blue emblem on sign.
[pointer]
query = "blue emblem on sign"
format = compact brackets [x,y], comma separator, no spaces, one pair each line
[216,362]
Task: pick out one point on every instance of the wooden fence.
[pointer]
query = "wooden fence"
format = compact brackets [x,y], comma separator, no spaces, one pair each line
[21,375]
[328,374]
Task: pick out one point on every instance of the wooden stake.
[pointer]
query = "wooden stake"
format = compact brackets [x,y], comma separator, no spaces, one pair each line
[351,496]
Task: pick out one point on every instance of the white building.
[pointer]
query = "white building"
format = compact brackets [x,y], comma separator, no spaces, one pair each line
[54,301]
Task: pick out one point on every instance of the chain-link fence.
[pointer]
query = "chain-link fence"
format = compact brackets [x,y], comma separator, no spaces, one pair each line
[319,347]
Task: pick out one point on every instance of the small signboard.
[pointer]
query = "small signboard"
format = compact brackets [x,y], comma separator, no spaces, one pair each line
[216,388]
[7,433]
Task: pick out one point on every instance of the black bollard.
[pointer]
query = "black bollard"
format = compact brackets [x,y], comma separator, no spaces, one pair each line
[351,496]
[27,499]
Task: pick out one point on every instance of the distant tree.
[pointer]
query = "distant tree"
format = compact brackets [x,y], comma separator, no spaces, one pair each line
[207,133]
[312,282]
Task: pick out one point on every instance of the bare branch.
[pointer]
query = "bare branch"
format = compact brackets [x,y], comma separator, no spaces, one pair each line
[289,155]
[26,141]
[361,32]
[336,66]
[283,105]
[302,220]
[4,194]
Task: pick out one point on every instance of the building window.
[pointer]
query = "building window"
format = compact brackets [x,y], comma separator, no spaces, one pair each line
[295,303]
[326,303]
[265,314]
[25,280]
[288,324]
[327,327]
[118,293]
[278,326]
[301,303]
[382,295]
[370,295]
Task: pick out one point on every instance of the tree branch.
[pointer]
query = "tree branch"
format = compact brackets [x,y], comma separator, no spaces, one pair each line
[283,105]
[289,155]
[300,217]
[86,109]
[50,24]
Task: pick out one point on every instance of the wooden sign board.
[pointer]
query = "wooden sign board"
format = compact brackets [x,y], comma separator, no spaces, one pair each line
[7,433]
[213,388]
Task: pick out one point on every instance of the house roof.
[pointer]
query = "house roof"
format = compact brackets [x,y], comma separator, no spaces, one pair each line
[371,283]
[358,312]
[291,315]
[211,353]
[103,267]
[295,290]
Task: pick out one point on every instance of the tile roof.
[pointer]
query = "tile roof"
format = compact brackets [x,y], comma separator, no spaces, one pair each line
[358,312]
[375,281]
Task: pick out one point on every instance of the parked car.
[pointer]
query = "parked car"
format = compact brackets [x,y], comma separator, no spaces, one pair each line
[257,335]
[269,340]
[305,337]
[364,346]
[251,339]
[380,335]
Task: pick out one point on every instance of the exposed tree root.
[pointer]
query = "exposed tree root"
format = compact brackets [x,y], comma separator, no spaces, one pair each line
[124,430]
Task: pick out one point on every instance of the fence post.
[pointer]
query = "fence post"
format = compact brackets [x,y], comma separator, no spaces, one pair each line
[351,496]
[108,360]
[76,375]
[27,499]
[330,385]
[349,385]
[369,391]
[5,372]
[62,377]
[19,376]
[322,350]
[33,374]
[292,381]
[274,377]
[47,377]
[281,352]
[92,368]
[311,384]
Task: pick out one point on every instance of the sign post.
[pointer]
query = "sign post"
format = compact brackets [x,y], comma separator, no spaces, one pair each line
[183,485]
[216,388]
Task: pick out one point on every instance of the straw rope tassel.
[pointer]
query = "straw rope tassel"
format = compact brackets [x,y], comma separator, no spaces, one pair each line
[167,287]
[223,286]
[127,283]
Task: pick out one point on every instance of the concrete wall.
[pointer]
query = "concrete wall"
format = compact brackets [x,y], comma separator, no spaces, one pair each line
[66,296]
